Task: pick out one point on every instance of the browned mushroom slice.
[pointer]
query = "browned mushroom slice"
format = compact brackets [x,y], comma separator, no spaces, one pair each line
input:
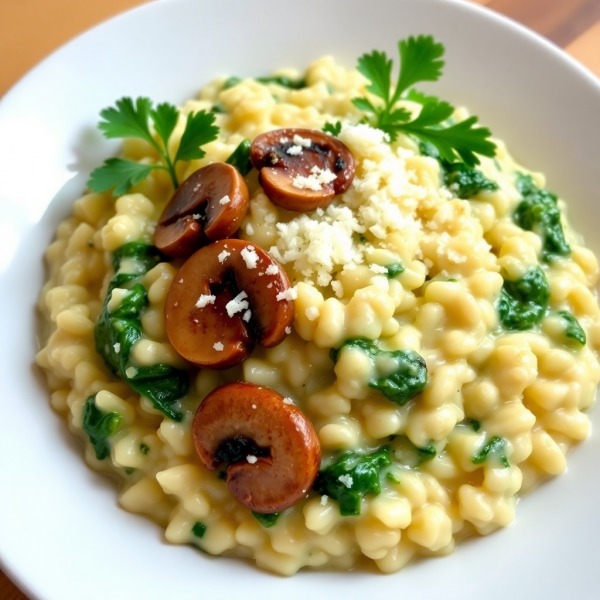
[226,297]
[271,447]
[302,169]
[209,205]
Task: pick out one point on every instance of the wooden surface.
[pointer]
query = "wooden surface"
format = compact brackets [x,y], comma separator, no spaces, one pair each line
[31,29]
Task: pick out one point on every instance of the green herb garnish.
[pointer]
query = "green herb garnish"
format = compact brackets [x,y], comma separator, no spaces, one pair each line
[130,119]
[333,128]
[420,60]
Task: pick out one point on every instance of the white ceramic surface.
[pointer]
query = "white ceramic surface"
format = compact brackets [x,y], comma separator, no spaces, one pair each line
[62,534]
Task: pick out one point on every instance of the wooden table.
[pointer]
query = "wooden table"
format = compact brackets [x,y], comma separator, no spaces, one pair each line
[30,29]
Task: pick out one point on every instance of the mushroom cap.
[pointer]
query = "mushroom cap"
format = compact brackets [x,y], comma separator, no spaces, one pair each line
[270,484]
[218,335]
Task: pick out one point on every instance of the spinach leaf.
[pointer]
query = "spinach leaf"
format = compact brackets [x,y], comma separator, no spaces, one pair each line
[409,455]
[462,180]
[199,529]
[100,426]
[408,379]
[494,448]
[573,330]
[266,520]
[240,158]
[394,270]
[283,81]
[116,332]
[538,212]
[351,477]
[523,302]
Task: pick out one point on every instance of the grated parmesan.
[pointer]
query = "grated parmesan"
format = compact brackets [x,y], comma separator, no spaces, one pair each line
[346,480]
[225,200]
[272,270]
[218,346]
[223,256]
[205,300]
[250,257]
[251,459]
[238,304]
[289,294]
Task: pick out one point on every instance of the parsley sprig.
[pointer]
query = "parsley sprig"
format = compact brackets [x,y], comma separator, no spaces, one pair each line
[131,119]
[420,60]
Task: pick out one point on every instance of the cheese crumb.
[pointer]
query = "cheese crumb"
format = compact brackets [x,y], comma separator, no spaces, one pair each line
[218,346]
[238,304]
[346,480]
[324,499]
[288,330]
[204,300]
[131,372]
[288,401]
[289,294]
[250,257]
[294,150]
[337,287]
[197,216]
[249,229]
[225,200]
[312,313]
[272,270]
[378,269]
[315,180]
[254,406]
[117,347]
[223,255]
[251,459]
[247,316]
[300,141]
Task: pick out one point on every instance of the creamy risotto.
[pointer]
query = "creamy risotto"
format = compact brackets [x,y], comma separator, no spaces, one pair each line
[437,342]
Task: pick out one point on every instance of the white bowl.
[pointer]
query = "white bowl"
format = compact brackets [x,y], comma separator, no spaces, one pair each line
[62,534]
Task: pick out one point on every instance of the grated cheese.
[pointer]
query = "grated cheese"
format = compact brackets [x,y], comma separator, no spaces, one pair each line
[117,347]
[289,294]
[205,300]
[223,256]
[225,200]
[238,304]
[251,459]
[294,150]
[346,480]
[300,141]
[315,181]
[218,346]
[272,270]
[131,372]
[247,315]
[250,257]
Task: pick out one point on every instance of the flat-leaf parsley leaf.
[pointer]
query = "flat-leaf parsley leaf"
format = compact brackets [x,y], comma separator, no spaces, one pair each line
[420,60]
[129,118]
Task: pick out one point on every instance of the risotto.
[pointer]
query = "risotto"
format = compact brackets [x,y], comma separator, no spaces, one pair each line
[399,360]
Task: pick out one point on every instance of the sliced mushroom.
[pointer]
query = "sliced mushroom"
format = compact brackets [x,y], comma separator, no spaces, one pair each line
[226,297]
[287,450]
[209,205]
[302,169]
